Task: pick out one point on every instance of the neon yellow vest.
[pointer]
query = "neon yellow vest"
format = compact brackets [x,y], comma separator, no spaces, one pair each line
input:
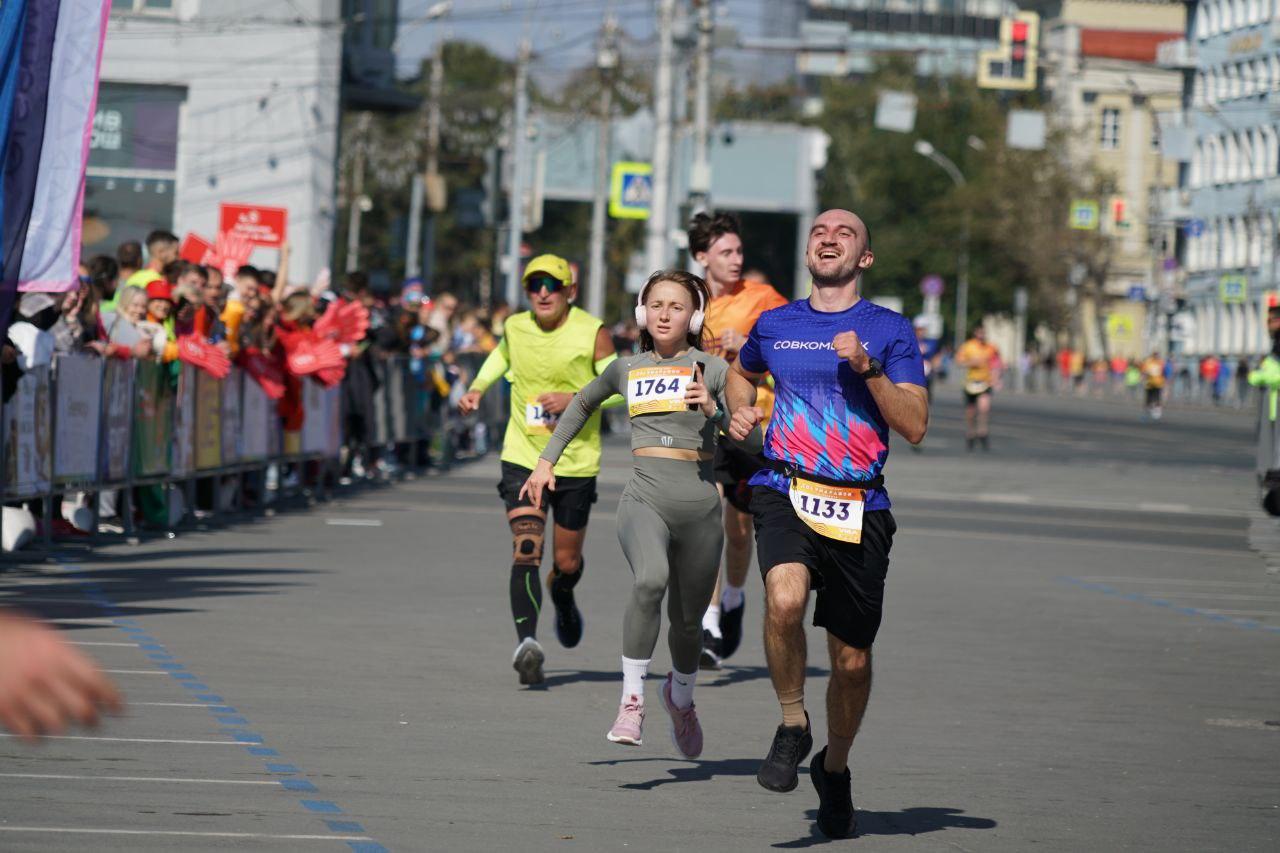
[561,360]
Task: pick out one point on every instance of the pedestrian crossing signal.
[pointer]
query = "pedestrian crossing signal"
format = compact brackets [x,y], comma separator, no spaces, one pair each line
[1012,65]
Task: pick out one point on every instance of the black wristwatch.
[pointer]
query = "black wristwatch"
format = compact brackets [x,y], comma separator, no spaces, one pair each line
[874,369]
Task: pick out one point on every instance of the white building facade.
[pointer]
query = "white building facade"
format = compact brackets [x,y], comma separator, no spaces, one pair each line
[209,101]
[1231,60]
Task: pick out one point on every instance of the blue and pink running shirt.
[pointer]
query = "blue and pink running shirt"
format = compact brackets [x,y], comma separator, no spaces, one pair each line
[825,421]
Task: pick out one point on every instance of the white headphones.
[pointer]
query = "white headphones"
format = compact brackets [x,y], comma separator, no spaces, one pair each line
[695,321]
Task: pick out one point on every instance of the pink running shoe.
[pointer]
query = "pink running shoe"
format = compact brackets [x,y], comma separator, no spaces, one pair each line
[686,731]
[626,729]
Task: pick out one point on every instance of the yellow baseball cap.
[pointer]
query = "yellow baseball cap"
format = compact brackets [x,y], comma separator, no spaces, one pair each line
[552,265]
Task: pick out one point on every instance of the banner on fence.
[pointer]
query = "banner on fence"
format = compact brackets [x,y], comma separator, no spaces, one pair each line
[28,450]
[255,422]
[207,429]
[117,406]
[231,416]
[153,419]
[184,427]
[79,379]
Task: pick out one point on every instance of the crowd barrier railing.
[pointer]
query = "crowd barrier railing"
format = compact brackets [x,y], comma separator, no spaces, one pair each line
[92,425]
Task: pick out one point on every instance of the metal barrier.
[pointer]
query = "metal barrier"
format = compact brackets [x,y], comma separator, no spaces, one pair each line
[88,424]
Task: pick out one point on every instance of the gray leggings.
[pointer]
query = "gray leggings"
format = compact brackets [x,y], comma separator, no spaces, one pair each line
[671,532]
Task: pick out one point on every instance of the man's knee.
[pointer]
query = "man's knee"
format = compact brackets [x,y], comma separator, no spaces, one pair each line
[787,593]
[528,532]
[849,665]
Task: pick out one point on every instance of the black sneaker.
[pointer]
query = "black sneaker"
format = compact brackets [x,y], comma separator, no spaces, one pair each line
[731,629]
[711,655]
[836,817]
[790,746]
[568,618]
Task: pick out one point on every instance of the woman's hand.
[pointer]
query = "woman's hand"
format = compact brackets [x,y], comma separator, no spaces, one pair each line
[543,477]
[696,394]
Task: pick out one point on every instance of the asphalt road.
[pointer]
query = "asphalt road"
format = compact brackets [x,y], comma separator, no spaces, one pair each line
[1080,652]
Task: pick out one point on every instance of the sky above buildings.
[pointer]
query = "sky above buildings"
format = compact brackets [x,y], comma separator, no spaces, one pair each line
[562,32]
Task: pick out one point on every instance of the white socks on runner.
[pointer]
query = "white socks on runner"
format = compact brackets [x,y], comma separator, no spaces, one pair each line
[633,673]
[711,620]
[682,688]
[732,597]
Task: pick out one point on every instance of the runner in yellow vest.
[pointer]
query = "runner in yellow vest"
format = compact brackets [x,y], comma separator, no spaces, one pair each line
[548,354]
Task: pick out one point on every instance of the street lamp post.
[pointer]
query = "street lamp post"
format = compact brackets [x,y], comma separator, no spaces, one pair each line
[926,149]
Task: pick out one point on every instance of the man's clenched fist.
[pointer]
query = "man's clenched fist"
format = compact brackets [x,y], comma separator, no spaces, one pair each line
[743,421]
[849,347]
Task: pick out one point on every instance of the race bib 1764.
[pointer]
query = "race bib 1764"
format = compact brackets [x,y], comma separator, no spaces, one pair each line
[657,389]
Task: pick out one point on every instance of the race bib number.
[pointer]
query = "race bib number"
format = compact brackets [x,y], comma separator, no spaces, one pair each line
[657,389]
[831,511]
[537,420]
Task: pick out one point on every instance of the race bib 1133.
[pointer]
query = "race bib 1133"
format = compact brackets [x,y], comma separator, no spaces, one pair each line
[832,511]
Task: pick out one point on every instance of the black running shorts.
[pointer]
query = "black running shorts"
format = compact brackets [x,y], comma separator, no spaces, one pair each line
[848,578]
[733,467]
[570,503]
[972,399]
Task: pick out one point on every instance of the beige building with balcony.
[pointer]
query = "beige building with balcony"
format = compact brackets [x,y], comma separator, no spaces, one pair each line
[1109,95]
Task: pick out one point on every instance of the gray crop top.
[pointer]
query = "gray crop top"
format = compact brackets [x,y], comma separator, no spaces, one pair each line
[639,375]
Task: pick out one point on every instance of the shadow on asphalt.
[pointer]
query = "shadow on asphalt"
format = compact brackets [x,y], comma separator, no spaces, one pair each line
[727,675]
[561,677]
[691,771]
[141,590]
[917,820]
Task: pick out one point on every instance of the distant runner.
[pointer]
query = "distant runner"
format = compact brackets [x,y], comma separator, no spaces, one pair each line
[736,304]
[1153,381]
[549,352]
[979,358]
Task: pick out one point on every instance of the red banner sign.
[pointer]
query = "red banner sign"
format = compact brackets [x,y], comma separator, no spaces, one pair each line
[193,248]
[262,226]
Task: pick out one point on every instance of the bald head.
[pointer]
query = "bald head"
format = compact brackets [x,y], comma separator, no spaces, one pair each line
[839,248]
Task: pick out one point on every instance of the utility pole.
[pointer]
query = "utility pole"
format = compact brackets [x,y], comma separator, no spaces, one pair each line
[700,180]
[432,180]
[656,238]
[606,63]
[519,141]
[412,265]
[356,205]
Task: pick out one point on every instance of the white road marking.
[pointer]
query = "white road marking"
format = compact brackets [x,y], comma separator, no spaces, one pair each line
[259,836]
[86,643]
[136,671]
[910,510]
[1076,542]
[134,739]
[1232,596]
[1187,581]
[172,704]
[69,777]
[1259,725]
[1245,612]
[1150,506]
[353,522]
[998,498]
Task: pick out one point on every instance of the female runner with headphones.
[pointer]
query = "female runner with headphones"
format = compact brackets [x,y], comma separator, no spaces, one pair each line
[669,516]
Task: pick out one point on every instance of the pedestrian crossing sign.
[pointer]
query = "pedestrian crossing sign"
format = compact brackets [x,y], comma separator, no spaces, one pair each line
[1084,214]
[631,190]
[1233,289]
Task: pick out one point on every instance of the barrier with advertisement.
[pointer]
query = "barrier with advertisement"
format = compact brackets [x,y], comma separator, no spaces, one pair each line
[207,429]
[230,421]
[117,412]
[28,439]
[257,423]
[152,419]
[183,458]
[76,418]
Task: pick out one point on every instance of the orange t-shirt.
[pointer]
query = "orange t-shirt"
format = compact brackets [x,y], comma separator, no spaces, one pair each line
[739,312]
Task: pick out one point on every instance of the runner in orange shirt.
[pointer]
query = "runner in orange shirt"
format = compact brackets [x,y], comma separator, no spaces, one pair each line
[715,242]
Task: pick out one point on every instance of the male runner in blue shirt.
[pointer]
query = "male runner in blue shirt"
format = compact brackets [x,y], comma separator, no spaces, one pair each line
[845,371]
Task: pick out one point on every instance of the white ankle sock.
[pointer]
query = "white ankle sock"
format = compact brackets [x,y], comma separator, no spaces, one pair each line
[711,620]
[682,688]
[732,597]
[633,672]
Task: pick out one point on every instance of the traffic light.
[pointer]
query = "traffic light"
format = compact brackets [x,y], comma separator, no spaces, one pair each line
[1012,65]
[1118,220]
